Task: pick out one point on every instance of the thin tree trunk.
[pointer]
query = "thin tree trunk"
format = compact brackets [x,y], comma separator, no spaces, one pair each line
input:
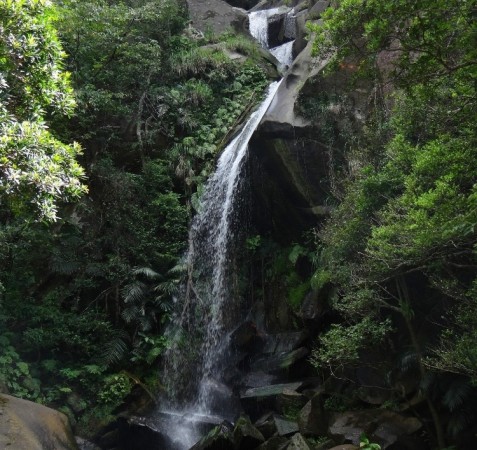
[405,301]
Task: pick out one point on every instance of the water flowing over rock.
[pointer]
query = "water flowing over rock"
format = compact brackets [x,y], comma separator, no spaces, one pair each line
[284,53]
[199,366]
[275,29]
[206,313]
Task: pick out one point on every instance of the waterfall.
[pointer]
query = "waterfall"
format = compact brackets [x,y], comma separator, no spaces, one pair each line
[207,308]
[204,313]
[213,223]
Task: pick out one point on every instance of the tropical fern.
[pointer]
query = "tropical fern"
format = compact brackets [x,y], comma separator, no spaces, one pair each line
[134,292]
[457,394]
[132,313]
[408,361]
[115,350]
[147,272]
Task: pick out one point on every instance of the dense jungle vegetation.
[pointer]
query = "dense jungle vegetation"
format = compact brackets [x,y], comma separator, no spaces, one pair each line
[112,115]
[400,246]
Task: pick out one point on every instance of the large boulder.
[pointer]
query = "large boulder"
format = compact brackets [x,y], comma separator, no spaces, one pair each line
[285,427]
[279,362]
[289,160]
[266,425]
[345,447]
[270,391]
[274,443]
[216,15]
[25,425]
[283,342]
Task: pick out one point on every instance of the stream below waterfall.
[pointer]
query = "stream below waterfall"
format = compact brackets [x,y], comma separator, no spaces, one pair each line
[207,309]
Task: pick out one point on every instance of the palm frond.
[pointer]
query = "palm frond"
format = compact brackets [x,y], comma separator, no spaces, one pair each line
[146,322]
[428,382]
[179,269]
[65,266]
[458,423]
[168,287]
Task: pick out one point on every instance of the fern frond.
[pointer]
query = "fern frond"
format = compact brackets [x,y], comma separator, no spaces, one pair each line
[167,287]
[178,269]
[64,266]
[134,292]
[428,382]
[458,423]
[408,361]
[131,314]
[114,351]
[146,272]
[146,322]
[456,395]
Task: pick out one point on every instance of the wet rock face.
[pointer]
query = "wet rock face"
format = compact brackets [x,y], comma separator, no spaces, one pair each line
[25,425]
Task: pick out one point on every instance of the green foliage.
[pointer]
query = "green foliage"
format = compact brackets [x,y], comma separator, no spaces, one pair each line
[37,169]
[319,279]
[32,79]
[91,296]
[319,440]
[252,243]
[281,271]
[335,403]
[428,38]
[14,372]
[292,412]
[408,207]
[366,444]
[211,128]
[115,388]
[340,345]
[148,348]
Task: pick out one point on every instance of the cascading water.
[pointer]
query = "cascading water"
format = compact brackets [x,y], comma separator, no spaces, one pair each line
[213,223]
[284,53]
[207,309]
[259,21]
